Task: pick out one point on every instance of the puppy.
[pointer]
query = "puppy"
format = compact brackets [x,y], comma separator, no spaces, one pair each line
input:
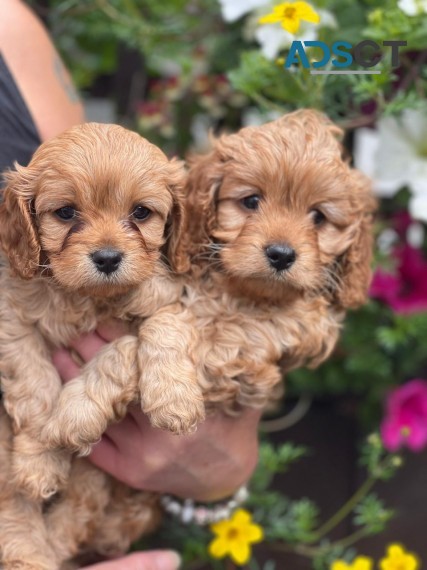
[279,234]
[86,228]
[94,516]
[281,243]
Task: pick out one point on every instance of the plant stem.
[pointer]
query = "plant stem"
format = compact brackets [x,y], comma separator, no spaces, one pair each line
[344,511]
[352,538]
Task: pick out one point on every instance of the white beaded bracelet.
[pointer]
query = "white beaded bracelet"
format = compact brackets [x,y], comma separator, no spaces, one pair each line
[188,511]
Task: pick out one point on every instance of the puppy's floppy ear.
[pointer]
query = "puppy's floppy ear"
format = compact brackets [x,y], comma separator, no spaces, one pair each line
[204,179]
[18,233]
[355,264]
[176,227]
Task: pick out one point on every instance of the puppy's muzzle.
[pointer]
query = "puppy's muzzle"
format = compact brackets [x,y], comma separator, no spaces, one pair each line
[280,256]
[107,260]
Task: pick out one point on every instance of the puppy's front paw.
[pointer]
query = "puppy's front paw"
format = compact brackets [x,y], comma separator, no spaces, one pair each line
[180,417]
[22,565]
[40,474]
[75,430]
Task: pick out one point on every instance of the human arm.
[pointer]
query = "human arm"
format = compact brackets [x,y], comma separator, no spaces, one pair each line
[42,79]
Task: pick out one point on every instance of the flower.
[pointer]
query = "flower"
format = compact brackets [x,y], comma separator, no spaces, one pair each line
[359,563]
[232,10]
[272,37]
[405,289]
[290,14]
[235,536]
[396,156]
[413,7]
[405,421]
[398,559]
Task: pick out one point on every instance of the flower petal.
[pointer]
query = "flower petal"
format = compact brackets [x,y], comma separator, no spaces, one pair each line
[270,19]
[232,10]
[418,207]
[220,528]
[240,551]
[306,12]
[242,517]
[254,533]
[291,25]
[395,551]
[391,434]
[340,565]
[218,548]
[413,7]
[272,38]
[363,563]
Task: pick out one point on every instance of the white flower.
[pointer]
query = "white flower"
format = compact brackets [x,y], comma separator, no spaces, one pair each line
[234,9]
[413,7]
[254,117]
[273,38]
[395,156]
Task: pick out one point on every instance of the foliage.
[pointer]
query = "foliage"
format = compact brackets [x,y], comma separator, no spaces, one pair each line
[294,525]
[201,73]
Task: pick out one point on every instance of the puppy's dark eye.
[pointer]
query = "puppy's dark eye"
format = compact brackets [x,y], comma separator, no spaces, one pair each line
[141,213]
[66,213]
[251,202]
[318,217]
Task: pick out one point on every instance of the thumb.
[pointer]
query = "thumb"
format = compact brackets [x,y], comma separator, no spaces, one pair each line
[152,560]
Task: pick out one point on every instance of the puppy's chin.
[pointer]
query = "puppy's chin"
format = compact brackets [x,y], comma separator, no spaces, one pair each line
[104,291]
[89,282]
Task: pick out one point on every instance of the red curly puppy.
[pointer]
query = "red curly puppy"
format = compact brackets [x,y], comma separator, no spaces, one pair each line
[281,241]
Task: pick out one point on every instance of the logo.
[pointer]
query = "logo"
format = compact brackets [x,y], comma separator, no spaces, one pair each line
[341,55]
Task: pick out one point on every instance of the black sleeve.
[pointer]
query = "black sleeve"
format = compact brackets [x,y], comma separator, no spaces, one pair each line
[18,134]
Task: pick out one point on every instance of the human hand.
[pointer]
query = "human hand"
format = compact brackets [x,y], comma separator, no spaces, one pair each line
[207,465]
[153,560]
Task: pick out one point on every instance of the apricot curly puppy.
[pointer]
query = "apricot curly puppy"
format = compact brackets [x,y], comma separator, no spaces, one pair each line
[86,228]
[95,515]
[280,237]
[281,242]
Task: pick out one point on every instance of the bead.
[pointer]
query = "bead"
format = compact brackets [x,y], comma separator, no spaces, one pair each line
[241,495]
[174,508]
[187,511]
[201,516]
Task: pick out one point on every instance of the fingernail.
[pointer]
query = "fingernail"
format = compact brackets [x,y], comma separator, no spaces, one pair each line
[169,560]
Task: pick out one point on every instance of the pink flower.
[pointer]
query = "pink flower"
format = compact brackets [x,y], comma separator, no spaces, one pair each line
[405,422]
[405,290]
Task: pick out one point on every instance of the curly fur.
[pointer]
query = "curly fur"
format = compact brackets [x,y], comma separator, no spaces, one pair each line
[256,323]
[234,324]
[53,293]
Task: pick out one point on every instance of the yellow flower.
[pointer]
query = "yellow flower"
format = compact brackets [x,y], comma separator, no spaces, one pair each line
[290,14]
[235,536]
[398,559]
[359,563]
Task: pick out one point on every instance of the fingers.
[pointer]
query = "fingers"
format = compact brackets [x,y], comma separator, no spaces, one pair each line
[85,348]
[153,560]
[65,365]
[106,456]
[88,345]
[112,329]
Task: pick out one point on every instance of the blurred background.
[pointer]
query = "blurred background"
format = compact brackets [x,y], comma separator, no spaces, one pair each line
[174,71]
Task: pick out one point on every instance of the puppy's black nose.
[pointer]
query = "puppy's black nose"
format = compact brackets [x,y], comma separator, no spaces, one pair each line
[107,260]
[280,256]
